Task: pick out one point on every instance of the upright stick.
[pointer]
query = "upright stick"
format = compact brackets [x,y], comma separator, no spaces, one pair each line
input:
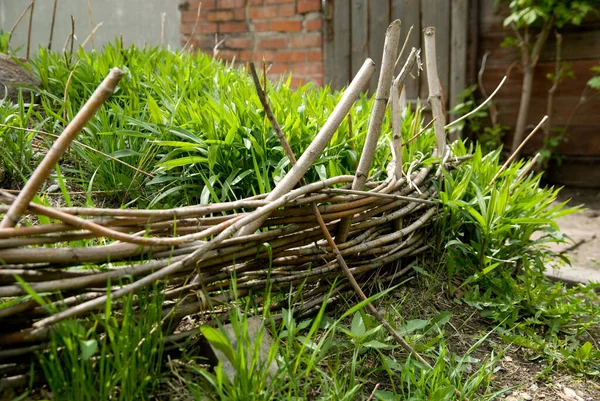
[52,25]
[41,173]
[310,155]
[29,29]
[435,91]
[396,109]
[390,50]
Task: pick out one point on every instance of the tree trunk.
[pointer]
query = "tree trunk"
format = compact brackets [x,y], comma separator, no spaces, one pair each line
[524,106]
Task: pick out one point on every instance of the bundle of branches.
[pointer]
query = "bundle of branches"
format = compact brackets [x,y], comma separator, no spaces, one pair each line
[205,257]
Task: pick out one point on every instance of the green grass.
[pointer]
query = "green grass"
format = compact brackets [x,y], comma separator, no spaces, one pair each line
[195,124]
[113,355]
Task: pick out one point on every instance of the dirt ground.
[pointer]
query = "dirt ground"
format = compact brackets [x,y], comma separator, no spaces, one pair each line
[583,228]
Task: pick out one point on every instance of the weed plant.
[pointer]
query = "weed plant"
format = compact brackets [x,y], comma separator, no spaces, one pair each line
[488,233]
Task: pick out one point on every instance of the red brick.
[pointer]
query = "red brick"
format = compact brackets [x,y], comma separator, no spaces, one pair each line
[219,15]
[231,3]
[203,41]
[307,6]
[245,55]
[202,27]
[287,10]
[307,40]
[265,56]
[206,4]
[239,14]
[272,43]
[255,2]
[263,12]
[290,56]
[317,79]
[232,27]
[278,68]
[305,69]
[315,55]
[313,24]
[262,26]
[244,42]
[279,1]
[297,81]
[190,16]
[228,55]
[286,26]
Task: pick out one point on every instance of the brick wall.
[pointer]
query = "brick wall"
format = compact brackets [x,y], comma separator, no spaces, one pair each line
[287,34]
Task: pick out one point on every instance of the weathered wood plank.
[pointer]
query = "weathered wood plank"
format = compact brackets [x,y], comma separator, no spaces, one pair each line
[337,50]
[582,141]
[577,45]
[436,13]
[409,12]
[379,19]
[360,34]
[458,55]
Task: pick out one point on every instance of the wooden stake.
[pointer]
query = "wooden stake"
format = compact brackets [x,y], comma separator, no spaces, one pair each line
[435,91]
[390,50]
[42,172]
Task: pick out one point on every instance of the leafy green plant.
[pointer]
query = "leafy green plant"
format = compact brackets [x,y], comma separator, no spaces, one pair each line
[489,231]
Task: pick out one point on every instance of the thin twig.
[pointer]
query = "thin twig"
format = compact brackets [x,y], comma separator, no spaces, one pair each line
[92,31]
[91,35]
[194,28]
[52,25]
[516,152]
[476,109]
[18,21]
[403,46]
[374,388]
[163,24]
[29,28]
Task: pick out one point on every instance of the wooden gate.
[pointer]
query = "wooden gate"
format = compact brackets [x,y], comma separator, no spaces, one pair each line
[355,30]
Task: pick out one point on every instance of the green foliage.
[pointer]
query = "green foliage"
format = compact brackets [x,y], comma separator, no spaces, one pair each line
[594,82]
[4,42]
[116,355]
[489,236]
[560,12]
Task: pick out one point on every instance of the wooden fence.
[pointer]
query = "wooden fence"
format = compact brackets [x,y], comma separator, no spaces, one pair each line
[355,29]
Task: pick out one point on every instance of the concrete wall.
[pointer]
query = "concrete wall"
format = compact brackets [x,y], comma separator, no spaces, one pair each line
[138,20]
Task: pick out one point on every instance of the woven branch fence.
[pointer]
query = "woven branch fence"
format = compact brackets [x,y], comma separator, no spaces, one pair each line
[206,257]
